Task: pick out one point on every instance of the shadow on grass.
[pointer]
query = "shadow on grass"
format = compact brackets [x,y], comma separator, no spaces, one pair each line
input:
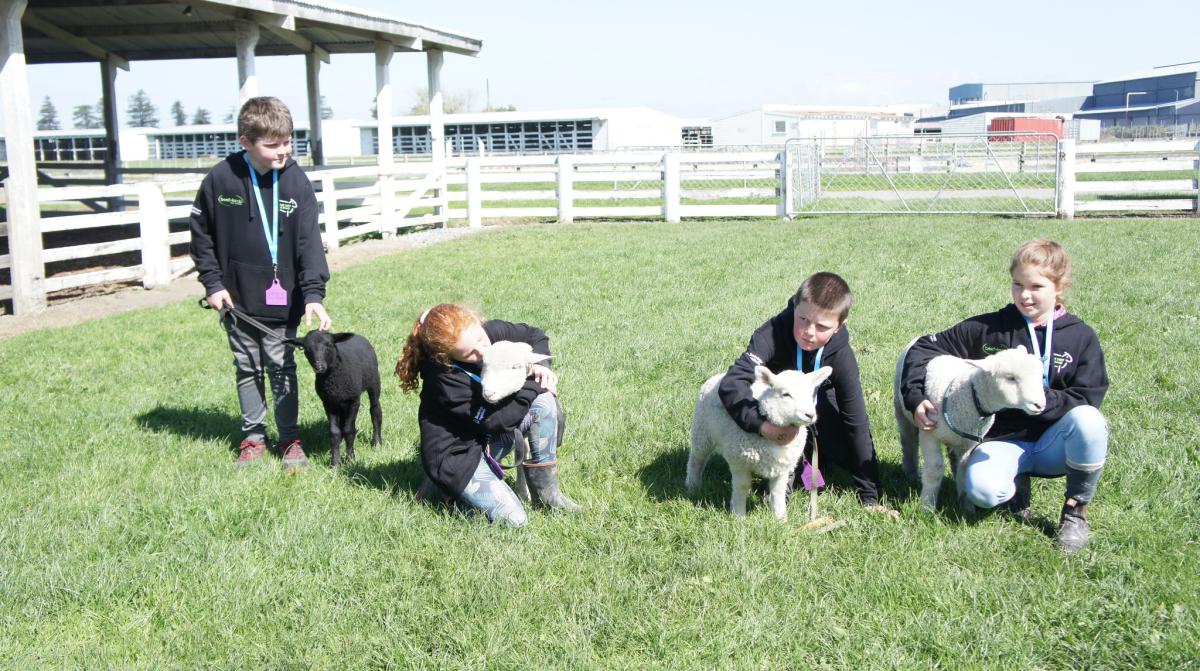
[392,477]
[663,480]
[211,424]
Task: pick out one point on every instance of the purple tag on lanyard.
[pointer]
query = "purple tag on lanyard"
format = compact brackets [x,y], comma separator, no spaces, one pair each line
[807,477]
[276,294]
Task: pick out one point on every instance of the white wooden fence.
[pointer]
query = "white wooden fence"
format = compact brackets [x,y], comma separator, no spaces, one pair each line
[1123,161]
[367,201]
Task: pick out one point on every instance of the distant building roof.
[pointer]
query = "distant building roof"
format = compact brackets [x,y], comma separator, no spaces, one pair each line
[1161,71]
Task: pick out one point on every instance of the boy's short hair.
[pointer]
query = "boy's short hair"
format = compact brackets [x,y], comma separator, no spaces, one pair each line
[264,117]
[827,291]
[1047,256]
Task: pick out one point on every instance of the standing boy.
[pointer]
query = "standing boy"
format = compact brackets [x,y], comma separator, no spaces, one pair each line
[809,333]
[257,247]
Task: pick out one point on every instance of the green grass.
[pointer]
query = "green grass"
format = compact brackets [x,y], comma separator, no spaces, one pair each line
[130,540]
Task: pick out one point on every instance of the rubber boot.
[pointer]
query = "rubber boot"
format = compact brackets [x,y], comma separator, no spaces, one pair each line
[1018,505]
[543,486]
[1072,524]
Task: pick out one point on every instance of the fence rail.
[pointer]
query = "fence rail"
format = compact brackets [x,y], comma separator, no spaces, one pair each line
[1130,177]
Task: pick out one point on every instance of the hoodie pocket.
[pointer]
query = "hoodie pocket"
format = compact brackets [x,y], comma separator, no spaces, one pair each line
[248,283]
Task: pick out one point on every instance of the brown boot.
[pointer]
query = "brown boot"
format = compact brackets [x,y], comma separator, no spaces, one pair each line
[1073,526]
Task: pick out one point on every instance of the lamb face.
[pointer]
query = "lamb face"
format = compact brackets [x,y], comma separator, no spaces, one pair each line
[789,398]
[1017,376]
[505,367]
[320,348]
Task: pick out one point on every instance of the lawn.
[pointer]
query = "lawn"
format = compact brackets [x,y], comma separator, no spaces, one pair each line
[132,542]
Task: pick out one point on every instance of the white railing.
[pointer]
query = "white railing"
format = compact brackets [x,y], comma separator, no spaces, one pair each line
[1112,167]
[349,209]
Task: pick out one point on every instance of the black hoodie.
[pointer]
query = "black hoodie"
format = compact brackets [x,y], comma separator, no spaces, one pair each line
[456,422]
[842,425]
[1077,373]
[230,248]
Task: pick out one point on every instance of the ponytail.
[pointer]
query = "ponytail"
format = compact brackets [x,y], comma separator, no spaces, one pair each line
[410,362]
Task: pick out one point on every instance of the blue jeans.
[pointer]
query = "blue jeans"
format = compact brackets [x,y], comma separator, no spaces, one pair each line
[487,491]
[1078,441]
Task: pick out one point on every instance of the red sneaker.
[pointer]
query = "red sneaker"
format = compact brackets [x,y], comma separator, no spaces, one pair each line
[294,459]
[250,451]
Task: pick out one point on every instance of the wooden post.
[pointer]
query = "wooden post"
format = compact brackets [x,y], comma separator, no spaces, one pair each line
[247,40]
[670,188]
[329,205]
[383,116]
[474,194]
[24,230]
[566,188]
[437,131]
[312,70]
[156,247]
[1066,179]
[112,154]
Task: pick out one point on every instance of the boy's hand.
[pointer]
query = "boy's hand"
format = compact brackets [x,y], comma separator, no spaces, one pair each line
[545,377]
[323,321]
[219,299]
[925,416]
[780,434]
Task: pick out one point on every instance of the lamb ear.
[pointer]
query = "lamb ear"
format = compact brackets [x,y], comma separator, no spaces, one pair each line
[537,358]
[820,375]
[764,375]
[1021,349]
[294,342]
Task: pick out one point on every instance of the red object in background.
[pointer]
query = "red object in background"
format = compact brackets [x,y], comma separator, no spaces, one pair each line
[1030,125]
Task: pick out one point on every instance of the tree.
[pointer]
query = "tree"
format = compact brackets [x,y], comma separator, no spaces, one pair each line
[48,116]
[201,118]
[501,108]
[452,101]
[231,116]
[326,110]
[84,116]
[142,112]
[178,114]
[374,109]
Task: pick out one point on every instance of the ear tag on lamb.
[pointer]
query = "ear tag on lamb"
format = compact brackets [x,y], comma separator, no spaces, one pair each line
[807,477]
[276,295]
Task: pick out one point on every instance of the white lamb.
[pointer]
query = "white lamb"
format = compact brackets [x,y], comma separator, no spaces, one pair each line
[786,399]
[967,395]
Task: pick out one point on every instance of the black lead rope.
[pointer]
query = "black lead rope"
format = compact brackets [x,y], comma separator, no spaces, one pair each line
[230,312]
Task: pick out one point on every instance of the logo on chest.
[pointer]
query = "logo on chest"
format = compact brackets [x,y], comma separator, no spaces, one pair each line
[231,201]
[287,207]
[1061,360]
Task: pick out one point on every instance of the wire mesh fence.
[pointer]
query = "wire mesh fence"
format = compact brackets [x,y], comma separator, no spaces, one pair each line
[995,173]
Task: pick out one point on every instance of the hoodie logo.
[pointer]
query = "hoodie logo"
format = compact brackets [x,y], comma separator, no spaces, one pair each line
[1062,360]
[287,207]
[231,201]
[992,349]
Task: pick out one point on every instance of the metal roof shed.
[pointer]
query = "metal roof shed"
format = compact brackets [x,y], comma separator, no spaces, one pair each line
[114,32]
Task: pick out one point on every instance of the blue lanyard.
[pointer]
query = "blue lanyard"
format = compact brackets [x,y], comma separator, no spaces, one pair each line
[1037,351]
[800,363]
[272,233]
[471,375]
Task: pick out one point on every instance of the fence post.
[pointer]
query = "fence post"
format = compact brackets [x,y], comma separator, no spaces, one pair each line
[785,182]
[387,202]
[1198,178]
[155,229]
[566,188]
[474,194]
[671,187]
[329,207]
[1066,179]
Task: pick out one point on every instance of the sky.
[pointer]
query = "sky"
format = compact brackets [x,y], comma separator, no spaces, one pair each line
[695,59]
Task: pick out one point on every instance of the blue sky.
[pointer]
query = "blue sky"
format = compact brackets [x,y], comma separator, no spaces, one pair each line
[694,59]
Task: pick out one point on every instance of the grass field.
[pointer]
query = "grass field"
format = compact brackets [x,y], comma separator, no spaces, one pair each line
[130,541]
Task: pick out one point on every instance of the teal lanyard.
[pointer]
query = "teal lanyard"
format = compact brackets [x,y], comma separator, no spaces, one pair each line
[272,233]
[800,362]
[1037,351]
[471,375]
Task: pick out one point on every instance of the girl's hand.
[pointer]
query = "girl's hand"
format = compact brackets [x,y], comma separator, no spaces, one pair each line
[780,434]
[925,416]
[545,377]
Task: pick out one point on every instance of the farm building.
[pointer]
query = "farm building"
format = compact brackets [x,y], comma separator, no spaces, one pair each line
[775,124]
[1162,96]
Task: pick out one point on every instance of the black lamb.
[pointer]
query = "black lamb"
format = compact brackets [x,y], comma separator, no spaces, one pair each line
[346,366]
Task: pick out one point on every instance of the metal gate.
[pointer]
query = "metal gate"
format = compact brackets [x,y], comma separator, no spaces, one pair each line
[993,173]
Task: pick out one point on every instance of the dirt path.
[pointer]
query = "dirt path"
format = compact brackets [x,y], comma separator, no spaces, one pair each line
[97,307]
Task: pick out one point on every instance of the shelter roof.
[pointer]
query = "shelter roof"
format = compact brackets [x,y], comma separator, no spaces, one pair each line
[69,31]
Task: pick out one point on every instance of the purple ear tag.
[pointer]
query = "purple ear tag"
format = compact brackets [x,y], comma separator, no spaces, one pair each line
[807,477]
[276,294]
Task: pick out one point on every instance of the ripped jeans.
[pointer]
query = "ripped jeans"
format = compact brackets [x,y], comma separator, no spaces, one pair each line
[487,491]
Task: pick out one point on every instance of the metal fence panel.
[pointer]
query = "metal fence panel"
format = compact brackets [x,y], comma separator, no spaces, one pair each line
[993,173]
